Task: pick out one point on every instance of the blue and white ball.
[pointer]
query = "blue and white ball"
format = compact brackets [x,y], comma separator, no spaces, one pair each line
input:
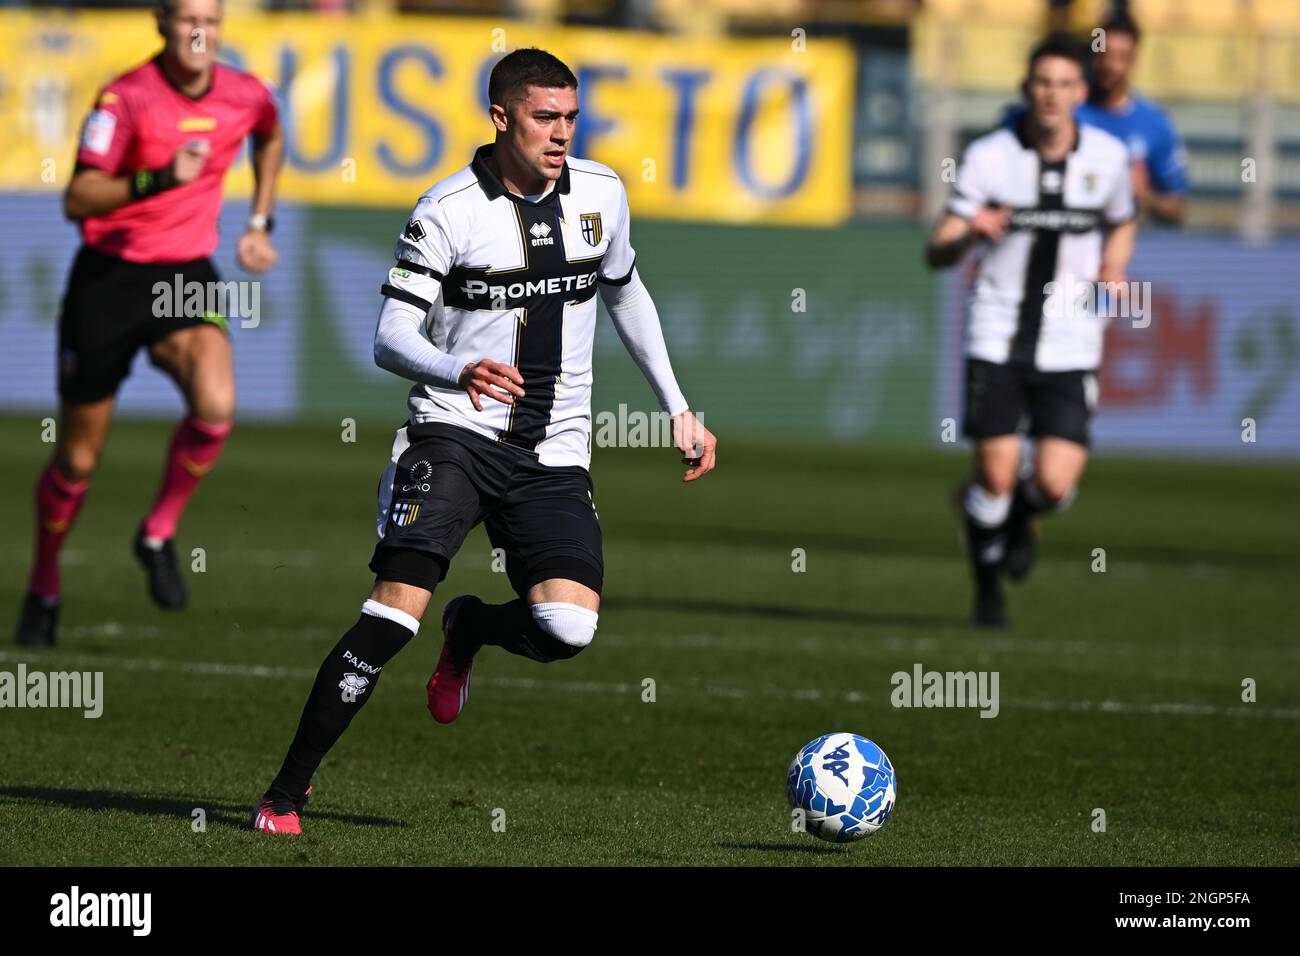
[845,786]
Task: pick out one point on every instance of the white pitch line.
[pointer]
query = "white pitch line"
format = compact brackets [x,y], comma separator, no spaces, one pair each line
[212,668]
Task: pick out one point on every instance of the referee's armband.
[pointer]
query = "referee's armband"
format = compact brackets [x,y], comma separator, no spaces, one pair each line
[151,182]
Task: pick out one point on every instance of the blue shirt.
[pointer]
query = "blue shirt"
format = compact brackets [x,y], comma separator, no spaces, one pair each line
[1147,132]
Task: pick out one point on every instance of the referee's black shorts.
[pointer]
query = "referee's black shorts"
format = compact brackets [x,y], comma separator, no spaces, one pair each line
[109,313]
[450,478]
[1010,399]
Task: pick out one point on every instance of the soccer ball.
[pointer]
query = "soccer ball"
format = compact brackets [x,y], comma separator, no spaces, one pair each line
[845,786]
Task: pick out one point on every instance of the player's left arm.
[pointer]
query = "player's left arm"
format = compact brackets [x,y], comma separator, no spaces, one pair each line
[255,251]
[637,322]
[1120,217]
[1116,251]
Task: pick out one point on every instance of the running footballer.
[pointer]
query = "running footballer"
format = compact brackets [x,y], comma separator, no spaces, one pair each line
[1048,204]
[491,310]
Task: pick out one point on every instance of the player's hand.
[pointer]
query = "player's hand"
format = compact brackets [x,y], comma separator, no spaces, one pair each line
[255,252]
[189,161]
[496,380]
[1112,275]
[991,222]
[698,446]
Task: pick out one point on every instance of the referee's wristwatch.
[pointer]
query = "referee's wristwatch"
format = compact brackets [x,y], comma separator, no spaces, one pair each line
[258,221]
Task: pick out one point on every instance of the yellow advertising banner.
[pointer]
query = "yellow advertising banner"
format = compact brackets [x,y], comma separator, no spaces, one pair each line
[377,108]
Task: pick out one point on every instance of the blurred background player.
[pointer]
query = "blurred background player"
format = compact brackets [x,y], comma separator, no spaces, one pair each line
[1159,162]
[491,310]
[1049,204]
[147,192]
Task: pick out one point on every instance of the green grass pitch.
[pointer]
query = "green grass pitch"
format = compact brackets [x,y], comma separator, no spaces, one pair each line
[1119,690]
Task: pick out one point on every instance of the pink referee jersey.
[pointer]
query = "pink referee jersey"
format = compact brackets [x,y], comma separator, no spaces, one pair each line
[139,122]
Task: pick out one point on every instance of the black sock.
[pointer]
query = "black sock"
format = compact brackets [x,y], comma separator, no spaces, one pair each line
[1031,500]
[1027,502]
[345,681]
[511,626]
[985,548]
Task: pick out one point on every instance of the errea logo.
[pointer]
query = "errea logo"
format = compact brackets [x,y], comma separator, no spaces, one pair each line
[542,234]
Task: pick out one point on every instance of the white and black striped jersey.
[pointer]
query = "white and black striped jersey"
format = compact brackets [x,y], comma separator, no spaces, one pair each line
[518,285]
[1025,308]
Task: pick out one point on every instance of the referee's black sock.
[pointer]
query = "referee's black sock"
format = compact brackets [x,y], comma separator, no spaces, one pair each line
[345,681]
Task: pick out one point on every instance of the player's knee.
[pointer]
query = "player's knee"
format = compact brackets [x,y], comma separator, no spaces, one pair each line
[564,629]
[215,408]
[1057,497]
[77,461]
[995,481]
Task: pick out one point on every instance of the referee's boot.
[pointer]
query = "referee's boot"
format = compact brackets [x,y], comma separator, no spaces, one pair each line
[38,624]
[166,585]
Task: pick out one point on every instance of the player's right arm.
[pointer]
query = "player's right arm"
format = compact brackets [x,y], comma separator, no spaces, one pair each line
[101,183]
[970,216]
[425,253]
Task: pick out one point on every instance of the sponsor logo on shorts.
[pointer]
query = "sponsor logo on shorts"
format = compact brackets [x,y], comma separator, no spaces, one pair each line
[419,480]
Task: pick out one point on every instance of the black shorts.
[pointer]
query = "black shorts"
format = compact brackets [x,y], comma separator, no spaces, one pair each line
[108,314]
[1008,399]
[449,478]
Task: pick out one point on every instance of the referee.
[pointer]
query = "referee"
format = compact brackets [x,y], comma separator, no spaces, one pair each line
[146,193]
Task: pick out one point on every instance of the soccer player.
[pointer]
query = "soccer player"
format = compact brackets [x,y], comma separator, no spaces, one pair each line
[147,192]
[490,309]
[1159,162]
[1049,206]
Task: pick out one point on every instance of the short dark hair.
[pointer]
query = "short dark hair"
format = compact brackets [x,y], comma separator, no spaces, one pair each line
[1121,21]
[526,67]
[1057,44]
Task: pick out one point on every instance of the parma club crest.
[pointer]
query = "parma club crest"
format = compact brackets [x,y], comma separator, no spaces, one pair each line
[405,513]
[591,230]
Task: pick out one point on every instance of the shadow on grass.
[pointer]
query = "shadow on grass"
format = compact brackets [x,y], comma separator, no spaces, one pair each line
[226,814]
[785,848]
[781,612]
